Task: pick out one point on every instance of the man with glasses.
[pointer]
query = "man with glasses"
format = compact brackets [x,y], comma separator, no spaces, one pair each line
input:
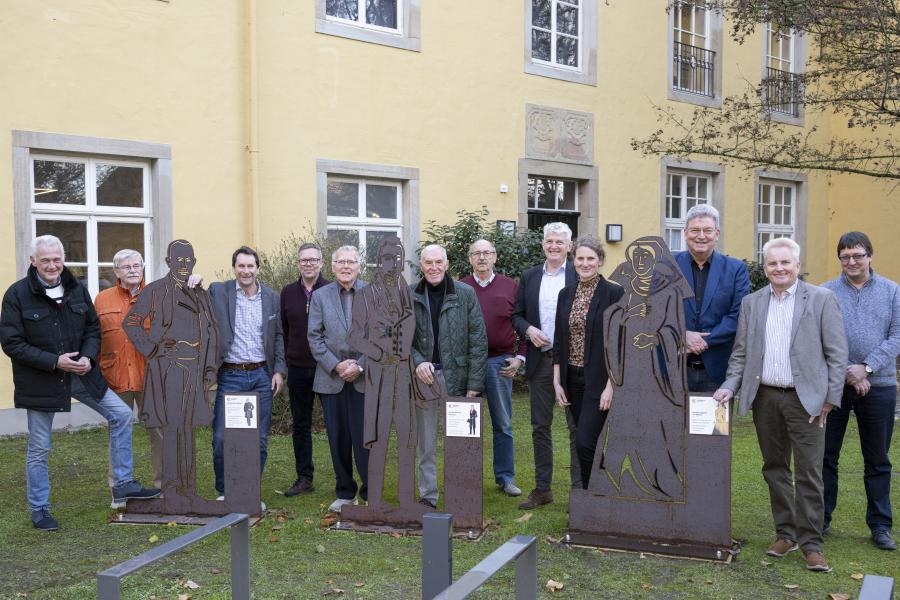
[870,307]
[295,302]
[338,378]
[50,330]
[719,283]
[497,296]
[534,318]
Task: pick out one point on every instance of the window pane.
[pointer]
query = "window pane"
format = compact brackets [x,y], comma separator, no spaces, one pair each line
[112,237]
[381,201]
[342,9]
[382,13]
[567,19]
[673,239]
[675,184]
[343,199]
[58,182]
[540,44]
[540,13]
[787,216]
[567,195]
[700,22]
[567,51]
[79,272]
[675,208]
[73,235]
[764,216]
[776,211]
[764,194]
[343,237]
[691,187]
[532,203]
[546,194]
[701,188]
[120,186]
[106,278]
[373,238]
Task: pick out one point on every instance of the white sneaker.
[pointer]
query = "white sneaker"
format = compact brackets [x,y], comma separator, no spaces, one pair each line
[340,503]
[511,489]
[118,505]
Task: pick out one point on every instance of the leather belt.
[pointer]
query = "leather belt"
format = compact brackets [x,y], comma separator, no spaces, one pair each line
[778,387]
[699,366]
[243,366]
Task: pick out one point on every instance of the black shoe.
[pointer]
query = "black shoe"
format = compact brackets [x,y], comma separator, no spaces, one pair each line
[428,503]
[301,486]
[883,540]
[133,491]
[43,520]
[537,498]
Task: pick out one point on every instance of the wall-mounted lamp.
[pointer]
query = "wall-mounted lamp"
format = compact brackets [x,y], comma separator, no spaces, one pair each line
[613,233]
[507,227]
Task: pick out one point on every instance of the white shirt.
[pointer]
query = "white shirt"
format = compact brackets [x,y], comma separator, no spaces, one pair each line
[484,282]
[776,369]
[551,284]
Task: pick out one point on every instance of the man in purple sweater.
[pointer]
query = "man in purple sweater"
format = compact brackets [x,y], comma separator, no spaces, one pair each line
[497,296]
[301,364]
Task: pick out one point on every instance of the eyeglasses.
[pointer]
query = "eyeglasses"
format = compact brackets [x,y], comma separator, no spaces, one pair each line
[845,259]
[482,254]
[135,267]
[708,232]
[346,262]
[309,261]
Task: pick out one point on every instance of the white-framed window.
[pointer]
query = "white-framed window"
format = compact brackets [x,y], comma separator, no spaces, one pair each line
[361,212]
[684,190]
[97,206]
[782,89]
[380,15]
[693,68]
[556,33]
[776,212]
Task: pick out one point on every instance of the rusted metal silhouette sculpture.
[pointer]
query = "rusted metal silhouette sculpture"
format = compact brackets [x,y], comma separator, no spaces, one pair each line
[174,327]
[646,465]
[382,329]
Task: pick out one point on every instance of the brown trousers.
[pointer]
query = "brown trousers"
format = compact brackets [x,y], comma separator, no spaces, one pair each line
[783,429]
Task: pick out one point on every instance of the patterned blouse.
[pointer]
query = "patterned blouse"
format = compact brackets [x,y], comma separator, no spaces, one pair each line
[578,319]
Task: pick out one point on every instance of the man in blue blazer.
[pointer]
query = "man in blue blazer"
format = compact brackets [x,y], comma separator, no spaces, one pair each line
[719,283]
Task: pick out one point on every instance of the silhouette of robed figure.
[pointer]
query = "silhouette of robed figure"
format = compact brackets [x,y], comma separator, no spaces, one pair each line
[180,343]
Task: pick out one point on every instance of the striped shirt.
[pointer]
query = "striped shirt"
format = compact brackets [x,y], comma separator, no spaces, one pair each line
[776,369]
[247,345]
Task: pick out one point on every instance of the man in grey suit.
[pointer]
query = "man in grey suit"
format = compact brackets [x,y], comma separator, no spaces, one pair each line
[251,349]
[337,379]
[788,362]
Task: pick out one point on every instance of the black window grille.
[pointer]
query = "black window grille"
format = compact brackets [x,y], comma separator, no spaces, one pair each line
[693,69]
[783,93]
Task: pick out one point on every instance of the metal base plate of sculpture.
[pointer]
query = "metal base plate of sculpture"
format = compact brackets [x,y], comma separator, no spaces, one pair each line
[653,487]
[174,327]
[382,330]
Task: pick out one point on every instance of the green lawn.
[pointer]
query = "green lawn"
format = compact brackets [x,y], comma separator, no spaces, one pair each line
[298,559]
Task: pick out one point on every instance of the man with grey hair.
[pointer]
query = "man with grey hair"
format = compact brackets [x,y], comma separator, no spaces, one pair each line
[50,330]
[719,283]
[789,362]
[450,338]
[534,317]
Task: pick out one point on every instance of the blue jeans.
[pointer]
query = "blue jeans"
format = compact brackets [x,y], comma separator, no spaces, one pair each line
[232,381]
[875,421]
[498,390]
[40,427]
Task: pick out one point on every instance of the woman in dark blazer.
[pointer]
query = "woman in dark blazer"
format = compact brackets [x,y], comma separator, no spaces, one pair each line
[580,379]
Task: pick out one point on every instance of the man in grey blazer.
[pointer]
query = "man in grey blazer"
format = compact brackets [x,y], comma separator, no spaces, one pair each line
[788,362]
[251,349]
[338,371]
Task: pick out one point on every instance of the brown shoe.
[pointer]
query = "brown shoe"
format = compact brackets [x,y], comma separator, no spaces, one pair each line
[815,561]
[301,486]
[781,547]
[537,498]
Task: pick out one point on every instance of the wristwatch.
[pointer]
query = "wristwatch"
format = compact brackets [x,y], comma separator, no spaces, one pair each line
[867,368]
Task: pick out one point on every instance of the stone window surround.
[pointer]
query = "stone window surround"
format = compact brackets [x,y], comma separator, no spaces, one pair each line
[715,171]
[159,155]
[716,38]
[408,37]
[587,177]
[587,73]
[801,187]
[409,182]
[798,65]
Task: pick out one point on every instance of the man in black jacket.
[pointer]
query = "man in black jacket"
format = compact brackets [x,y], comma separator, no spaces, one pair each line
[534,318]
[50,330]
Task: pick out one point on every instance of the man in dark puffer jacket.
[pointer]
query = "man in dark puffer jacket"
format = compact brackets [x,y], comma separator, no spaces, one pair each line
[50,330]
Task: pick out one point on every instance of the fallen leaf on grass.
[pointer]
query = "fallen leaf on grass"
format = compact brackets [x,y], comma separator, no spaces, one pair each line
[277,526]
[708,582]
[524,518]
[329,519]
[273,539]
[320,548]
[837,596]
[551,540]
[554,586]
[281,518]
[333,591]
[307,521]
[191,585]
[791,586]
[856,576]
[358,584]
[765,563]
[171,524]
[646,586]
[215,570]
[153,538]
[184,597]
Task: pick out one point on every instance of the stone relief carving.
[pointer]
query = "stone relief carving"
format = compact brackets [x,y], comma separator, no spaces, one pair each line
[559,134]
